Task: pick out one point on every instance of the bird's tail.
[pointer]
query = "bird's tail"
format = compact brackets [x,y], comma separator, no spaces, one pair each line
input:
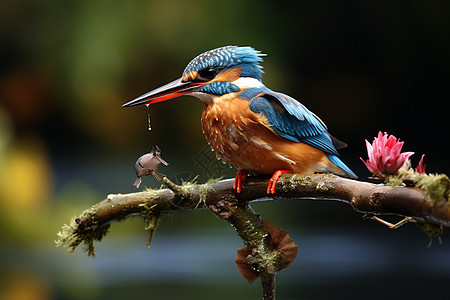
[137,183]
[338,162]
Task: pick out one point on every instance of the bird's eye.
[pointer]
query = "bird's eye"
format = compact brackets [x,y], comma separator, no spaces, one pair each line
[207,74]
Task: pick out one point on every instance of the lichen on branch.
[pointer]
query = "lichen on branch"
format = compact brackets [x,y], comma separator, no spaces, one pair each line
[268,249]
[376,199]
[73,234]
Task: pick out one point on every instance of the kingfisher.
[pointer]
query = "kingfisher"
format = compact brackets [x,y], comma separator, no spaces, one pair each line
[255,129]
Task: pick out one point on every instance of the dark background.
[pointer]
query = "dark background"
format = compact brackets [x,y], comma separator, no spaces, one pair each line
[66,142]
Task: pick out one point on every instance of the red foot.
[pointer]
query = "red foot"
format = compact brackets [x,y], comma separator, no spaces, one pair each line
[274,179]
[240,177]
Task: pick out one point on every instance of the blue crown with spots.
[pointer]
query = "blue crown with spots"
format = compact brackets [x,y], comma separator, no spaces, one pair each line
[229,56]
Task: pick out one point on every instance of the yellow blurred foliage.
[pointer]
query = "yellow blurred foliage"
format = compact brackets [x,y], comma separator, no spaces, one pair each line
[25,177]
[25,286]
[106,105]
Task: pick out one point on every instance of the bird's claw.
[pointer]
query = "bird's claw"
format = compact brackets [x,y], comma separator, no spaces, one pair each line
[274,179]
[240,177]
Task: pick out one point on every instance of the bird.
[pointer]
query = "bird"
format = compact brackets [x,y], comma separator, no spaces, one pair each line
[251,127]
[147,165]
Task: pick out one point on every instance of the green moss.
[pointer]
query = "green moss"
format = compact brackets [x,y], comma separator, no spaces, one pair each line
[152,223]
[74,234]
[295,180]
[203,191]
[432,230]
[150,213]
[149,204]
[265,260]
[213,180]
[300,180]
[395,180]
[67,237]
[436,186]
[399,177]
[187,189]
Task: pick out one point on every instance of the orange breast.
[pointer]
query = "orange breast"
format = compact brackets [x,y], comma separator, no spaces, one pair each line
[245,140]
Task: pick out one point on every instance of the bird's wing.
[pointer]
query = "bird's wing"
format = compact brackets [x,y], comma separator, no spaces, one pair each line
[292,120]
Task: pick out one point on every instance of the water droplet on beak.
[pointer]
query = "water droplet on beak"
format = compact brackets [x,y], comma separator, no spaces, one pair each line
[148,117]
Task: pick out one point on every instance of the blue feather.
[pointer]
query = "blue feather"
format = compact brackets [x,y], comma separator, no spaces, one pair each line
[219,88]
[229,57]
[336,160]
[321,141]
[250,93]
[291,119]
[313,124]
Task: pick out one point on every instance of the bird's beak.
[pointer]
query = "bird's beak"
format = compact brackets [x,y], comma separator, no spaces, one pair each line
[169,91]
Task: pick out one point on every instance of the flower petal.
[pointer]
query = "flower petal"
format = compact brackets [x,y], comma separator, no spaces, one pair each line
[385,154]
[421,166]
[370,166]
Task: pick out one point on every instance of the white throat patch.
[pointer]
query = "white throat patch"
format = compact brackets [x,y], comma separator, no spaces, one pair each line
[205,97]
[247,82]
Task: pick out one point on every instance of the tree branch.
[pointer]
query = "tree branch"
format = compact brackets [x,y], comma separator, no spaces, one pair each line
[266,258]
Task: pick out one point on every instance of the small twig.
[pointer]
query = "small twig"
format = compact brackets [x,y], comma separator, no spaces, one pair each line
[172,186]
[151,229]
[389,224]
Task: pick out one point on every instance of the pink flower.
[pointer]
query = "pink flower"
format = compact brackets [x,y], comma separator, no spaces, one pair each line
[421,166]
[384,154]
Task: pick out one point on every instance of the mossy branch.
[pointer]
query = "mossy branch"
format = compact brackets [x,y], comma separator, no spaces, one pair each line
[415,204]
[364,197]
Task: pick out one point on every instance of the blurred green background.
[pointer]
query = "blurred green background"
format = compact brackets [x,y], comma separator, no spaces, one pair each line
[66,142]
